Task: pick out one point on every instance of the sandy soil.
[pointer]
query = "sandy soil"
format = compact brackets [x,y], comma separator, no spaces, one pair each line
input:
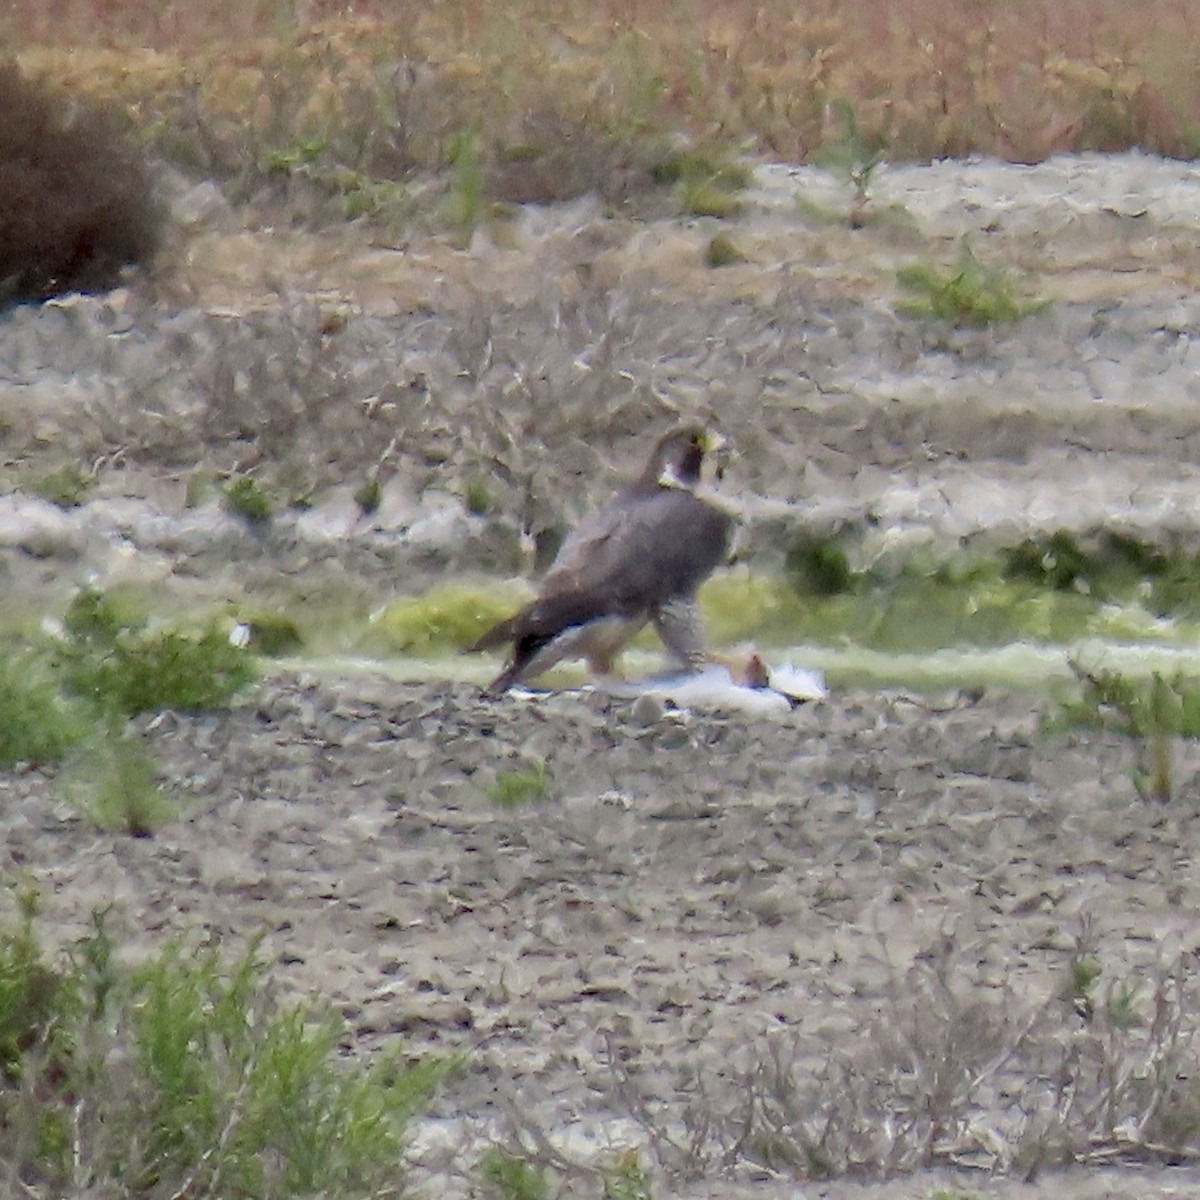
[697,894]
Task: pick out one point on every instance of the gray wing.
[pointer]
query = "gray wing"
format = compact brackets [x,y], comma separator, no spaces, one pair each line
[641,550]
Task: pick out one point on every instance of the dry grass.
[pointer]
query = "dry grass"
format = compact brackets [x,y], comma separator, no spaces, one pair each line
[952,1074]
[392,87]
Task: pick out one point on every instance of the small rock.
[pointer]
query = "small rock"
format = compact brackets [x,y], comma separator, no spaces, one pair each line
[646,710]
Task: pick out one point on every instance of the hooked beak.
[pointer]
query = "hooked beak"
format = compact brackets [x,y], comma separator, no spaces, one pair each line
[721,450]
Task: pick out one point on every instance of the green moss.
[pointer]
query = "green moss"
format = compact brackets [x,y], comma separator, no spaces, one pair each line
[443,620]
[368,494]
[738,606]
[693,166]
[477,497]
[708,185]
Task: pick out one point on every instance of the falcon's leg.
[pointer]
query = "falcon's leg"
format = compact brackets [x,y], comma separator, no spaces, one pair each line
[604,641]
[681,628]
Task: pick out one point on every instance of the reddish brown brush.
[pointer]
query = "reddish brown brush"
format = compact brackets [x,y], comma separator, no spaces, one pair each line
[1020,78]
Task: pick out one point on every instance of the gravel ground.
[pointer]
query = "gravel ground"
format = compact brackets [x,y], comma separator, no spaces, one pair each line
[694,889]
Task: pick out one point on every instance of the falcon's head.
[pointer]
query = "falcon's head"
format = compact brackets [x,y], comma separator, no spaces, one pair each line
[679,456]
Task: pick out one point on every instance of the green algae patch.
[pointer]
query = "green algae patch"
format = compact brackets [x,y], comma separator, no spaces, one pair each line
[738,607]
[445,620]
[272,634]
[921,610]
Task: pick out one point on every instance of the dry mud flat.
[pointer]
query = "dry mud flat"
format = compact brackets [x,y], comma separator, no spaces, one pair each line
[692,891]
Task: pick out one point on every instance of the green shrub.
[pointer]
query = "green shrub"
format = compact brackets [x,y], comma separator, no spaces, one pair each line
[1153,712]
[970,293]
[113,660]
[446,618]
[37,725]
[509,1176]
[246,498]
[117,790]
[184,1077]
[515,789]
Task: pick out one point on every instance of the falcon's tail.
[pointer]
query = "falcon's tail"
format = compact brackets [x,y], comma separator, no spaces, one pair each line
[534,628]
[499,633]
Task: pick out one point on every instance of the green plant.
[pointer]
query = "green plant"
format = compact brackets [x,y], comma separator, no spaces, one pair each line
[627,1179]
[851,155]
[708,186]
[374,199]
[515,789]
[368,494]
[477,497]
[298,155]
[246,497]
[722,251]
[1083,974]
[468,184]
[508,1176]
[31,1003]
[37,724]
[66,487]
[185,1077]
[113,660]
[970,293]
[116,789]
[817,564]
[1154,712]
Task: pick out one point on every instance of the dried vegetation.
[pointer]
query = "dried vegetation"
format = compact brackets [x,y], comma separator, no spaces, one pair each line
[955,1074]
[335,115]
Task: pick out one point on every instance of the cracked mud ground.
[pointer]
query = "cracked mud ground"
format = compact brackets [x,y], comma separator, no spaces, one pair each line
[695,889]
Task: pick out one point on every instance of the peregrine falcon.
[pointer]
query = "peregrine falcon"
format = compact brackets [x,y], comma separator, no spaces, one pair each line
[639,559]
